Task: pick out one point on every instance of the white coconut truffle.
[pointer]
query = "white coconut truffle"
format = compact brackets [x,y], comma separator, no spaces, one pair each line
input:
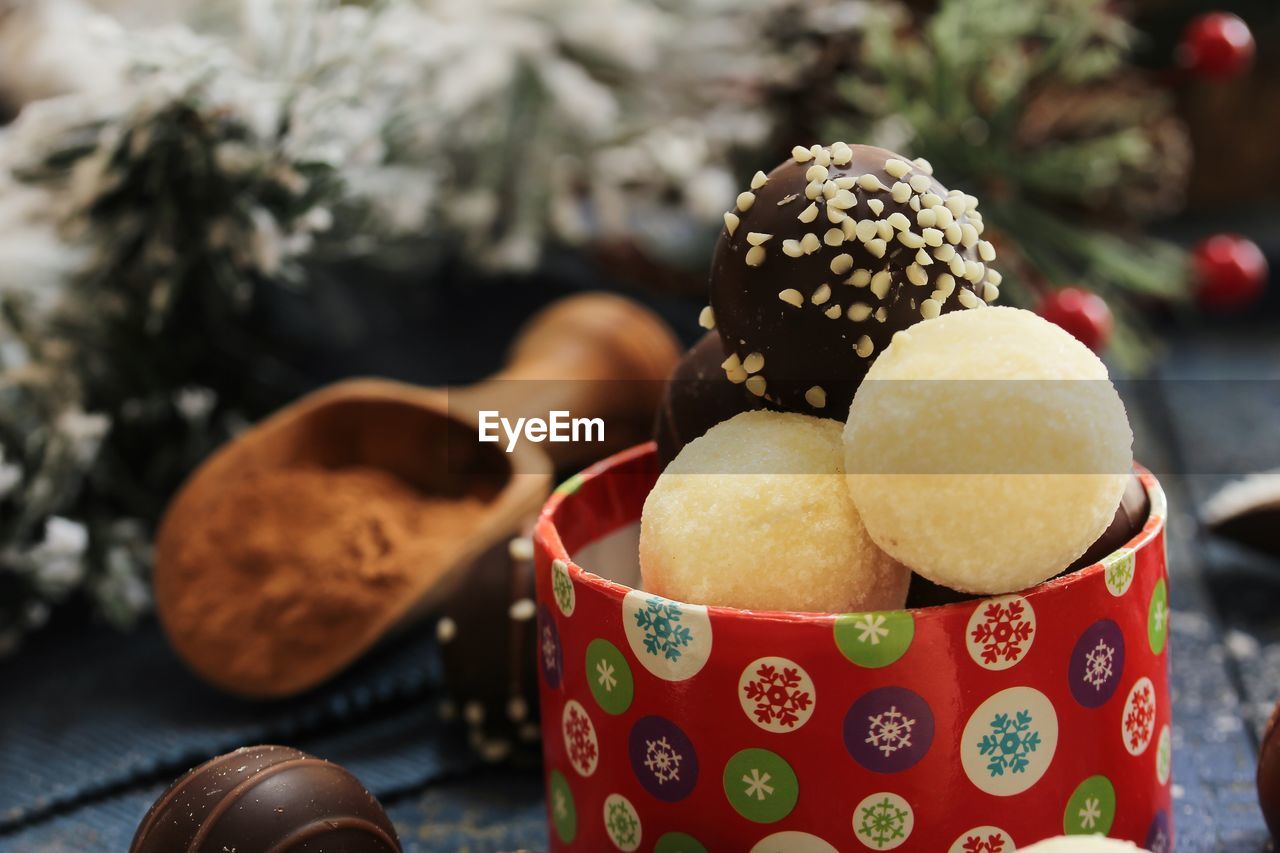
[1082,844]
[987,449]
[755,514]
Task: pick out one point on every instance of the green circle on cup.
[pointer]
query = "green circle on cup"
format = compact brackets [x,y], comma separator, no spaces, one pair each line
[609,677]
[760,785]
[1091,809]
[564,817]
[875,639]
[1158,617]
[678,842]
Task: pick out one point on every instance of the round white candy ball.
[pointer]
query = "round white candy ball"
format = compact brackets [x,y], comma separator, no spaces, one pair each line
[987,449]
[1082,844]
[755,514]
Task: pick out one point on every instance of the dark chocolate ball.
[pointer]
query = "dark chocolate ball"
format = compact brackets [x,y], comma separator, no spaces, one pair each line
[829,255]
[261,798]
[488,645]
[1269,774]
[697,397]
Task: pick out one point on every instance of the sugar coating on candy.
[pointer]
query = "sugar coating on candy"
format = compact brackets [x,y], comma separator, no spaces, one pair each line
[1082,844]
[755,514]
[987,486]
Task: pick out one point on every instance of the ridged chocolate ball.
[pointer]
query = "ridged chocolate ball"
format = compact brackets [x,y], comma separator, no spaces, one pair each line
[829,255]
[266,798]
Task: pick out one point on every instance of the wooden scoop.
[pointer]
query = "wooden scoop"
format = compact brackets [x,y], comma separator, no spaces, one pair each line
[594,355]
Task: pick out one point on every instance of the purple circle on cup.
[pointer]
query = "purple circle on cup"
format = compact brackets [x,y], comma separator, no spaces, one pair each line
[550,653]
[888,729]
[663,758]
[1097,662]
[1160,836]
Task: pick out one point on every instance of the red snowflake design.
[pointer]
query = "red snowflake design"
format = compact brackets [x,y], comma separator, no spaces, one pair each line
[777,695]
[580,739]
[1005,634]
[1140,718]
[978,844]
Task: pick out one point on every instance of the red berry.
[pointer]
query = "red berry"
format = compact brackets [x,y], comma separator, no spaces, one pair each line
[1230,272]
[1081,312]
[1216,44]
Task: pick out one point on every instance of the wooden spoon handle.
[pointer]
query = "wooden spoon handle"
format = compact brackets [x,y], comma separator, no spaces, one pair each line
[594,355]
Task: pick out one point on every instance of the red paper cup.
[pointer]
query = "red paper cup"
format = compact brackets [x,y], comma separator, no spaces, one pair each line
[968,727]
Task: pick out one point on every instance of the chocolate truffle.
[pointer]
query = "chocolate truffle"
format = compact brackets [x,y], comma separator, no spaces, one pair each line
[1129,519]
[987,450]
[488,636]
[1247,512]
[754,514]
[697,397]
[1269,774]
[828,255]
[261,798]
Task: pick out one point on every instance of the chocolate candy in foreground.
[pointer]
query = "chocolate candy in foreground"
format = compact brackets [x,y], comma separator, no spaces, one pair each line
[1127,523]
[697,397]
[266,798]
[829,255]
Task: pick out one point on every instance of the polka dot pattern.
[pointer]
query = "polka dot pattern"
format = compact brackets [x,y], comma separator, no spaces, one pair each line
[672,726]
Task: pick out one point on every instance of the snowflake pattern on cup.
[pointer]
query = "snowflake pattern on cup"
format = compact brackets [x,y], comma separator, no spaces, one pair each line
[792,841]
[609,677]
[550,655]
[564,814]
[1001,631]
[776,694]
[663,758]
[1009,741]
[1118,571]
[622,823]
[888,729]
[983,839]
[562,587]
[1091,808]
[580,742]
[678,842]
[1097,663]
[1138,723]
[760,785]
[670,639]
[1158,617]
[1164,755]
[875,639]
[883,821]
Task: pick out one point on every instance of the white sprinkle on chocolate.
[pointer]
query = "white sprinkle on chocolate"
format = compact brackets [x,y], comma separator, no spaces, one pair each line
[731,222]
[813,190]
[932,237]
[876,205]
[943,216]
[911,239]
[758,180]
[816,173]
[969,235]
[757,238]
[945,284]
[945,252]
[846,182]
[821,155]
[822,295]
[920,183]
[733,369]
[845,199]
[829,190]
[956,265]
[809,214]
[968,299]
[810,243]
[881,314]
[923,258]
[841,153]
[953,233]
[755,256]
[927,219]
[791,296]
[955,204]
[860,278]
[850,228]
[745,200]
[859,311]
[834,214]
[900,192]
[791,248]
[787,199]
[881,282]
[974,271]
[753,363]
[916,275]
[816,397]
[870,183]
[923,165]
[801,154]
[895,167]
[842,263]
[884,229]
[756,385]
[899,221]
[929,200]
[865,229]
[930,308]
[990,293]
[876,247]
[864,347]
[833,237]
[707,318]
[994,277]
[832,313]
[986,251]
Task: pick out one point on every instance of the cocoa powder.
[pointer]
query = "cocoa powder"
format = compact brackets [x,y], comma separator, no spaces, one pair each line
[281,569]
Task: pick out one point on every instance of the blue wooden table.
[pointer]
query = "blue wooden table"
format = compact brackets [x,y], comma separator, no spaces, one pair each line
[93,724]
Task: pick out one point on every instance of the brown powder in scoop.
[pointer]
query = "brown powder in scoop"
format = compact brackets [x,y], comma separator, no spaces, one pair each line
[283,569]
